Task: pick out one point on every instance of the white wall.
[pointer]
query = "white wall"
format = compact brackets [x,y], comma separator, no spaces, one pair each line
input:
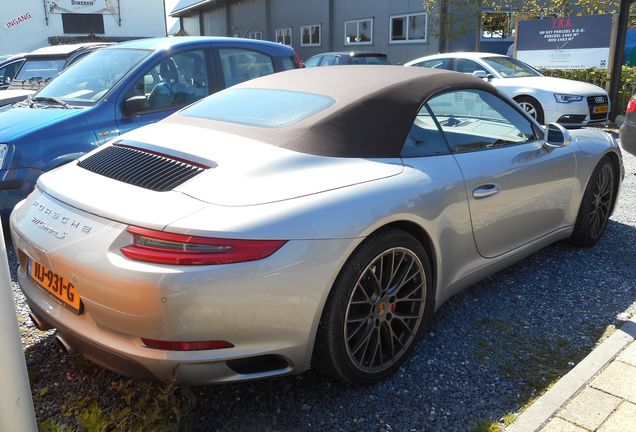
[138,18]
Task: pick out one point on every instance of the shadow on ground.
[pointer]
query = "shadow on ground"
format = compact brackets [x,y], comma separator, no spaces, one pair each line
[490,350]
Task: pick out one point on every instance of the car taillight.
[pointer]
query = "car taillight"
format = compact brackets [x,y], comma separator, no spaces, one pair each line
[299,62]
[178,249]
[631,106]
[186,346]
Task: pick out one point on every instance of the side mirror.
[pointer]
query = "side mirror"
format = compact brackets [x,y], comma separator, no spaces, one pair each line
[483,75]
[556,136]
[134,105]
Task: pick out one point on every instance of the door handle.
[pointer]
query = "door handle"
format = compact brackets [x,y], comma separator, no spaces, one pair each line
[485,191]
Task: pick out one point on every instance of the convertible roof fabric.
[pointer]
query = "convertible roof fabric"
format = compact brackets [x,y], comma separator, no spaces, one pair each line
[374,110]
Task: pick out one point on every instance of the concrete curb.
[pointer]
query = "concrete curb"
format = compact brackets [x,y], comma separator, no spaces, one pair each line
[547,405]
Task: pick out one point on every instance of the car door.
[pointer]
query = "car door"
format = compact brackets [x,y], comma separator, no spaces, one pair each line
[518,190]
[167,85]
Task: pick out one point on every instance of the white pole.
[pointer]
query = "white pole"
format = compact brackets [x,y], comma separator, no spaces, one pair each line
[16,403]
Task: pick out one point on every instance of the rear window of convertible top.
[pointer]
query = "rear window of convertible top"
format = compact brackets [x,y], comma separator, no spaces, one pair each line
[259,107]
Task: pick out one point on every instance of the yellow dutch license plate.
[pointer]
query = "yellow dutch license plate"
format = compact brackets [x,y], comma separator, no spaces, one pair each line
[601,109]
[55,285]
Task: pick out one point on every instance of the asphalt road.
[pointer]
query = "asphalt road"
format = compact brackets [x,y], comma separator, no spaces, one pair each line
[490,350]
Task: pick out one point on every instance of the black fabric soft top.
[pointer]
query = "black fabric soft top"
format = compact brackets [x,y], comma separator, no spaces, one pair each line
[374,110]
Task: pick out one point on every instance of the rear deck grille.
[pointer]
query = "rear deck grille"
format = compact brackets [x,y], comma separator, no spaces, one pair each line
[141,167]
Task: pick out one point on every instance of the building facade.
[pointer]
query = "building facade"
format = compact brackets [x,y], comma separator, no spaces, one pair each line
[399,28]
[30,24]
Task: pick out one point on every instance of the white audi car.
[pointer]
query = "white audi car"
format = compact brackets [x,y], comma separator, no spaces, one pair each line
[546,99]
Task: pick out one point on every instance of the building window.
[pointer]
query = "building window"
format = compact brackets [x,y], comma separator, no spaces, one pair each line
[497,25]
[256,35]
[310,35]
[284,36]
[409,28]
[83,23]
[359,32]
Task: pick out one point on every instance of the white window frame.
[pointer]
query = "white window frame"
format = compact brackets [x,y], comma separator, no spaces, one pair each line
[358,22]
[310,44]
[256,35]
[511,26]
[407,41]
[283,32]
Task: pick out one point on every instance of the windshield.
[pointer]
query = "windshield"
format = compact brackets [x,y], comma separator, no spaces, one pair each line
[508,67]
[259,107]
[40,69]
[88,80]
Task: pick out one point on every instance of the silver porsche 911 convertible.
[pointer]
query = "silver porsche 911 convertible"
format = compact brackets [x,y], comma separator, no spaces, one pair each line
[313,218]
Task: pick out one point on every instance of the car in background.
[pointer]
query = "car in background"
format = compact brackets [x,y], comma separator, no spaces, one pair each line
[628,128]
[38,67]
[546,99]
[346,58]
[312,218]
[114,90]
[9,66]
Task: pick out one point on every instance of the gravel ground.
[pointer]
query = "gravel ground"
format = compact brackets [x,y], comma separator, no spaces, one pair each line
[490,350]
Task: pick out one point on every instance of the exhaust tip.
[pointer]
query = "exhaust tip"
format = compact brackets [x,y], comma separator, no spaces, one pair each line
[62,343]
[38,323]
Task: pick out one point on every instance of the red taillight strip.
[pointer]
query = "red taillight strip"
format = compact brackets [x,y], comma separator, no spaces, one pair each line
[229,251]
[631,106]
[186,346]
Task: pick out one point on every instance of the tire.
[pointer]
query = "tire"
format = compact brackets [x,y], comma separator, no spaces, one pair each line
[370,323]
[532,107]
[596,205]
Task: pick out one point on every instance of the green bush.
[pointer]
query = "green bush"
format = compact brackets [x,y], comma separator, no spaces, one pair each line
[600,77]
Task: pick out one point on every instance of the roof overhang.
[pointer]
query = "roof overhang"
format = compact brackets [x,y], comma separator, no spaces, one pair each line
[186,6]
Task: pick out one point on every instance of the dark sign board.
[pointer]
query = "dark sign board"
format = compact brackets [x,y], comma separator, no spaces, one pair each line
[577,42]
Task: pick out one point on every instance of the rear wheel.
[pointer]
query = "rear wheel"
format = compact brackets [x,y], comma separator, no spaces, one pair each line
[376,311]
[596,205]
[532,107]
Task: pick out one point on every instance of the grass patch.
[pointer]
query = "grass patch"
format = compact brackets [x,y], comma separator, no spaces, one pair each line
[487,426]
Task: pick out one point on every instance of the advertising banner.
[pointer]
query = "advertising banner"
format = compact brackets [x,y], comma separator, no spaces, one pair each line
[104,7]
[578,42]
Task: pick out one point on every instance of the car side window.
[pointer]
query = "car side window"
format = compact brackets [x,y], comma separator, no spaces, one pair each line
[313,61]
[241,65]
[442,63]
[8,72]
[477,120]
[174,82]
[467,66]
[425,138]
[328,60]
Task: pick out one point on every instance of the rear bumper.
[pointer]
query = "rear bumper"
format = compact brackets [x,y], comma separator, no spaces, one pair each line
[266,309]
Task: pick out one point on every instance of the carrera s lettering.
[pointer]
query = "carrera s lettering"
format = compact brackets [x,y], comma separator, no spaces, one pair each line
[44,227]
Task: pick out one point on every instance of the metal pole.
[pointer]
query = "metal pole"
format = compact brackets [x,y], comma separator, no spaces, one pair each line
[617,64]
[16,403]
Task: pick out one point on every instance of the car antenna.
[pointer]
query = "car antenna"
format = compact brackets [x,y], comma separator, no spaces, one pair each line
[250,24]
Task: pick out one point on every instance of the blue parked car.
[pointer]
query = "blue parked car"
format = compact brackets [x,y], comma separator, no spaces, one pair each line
[117,89]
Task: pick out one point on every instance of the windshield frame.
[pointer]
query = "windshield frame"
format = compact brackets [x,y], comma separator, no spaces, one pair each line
[493,64]
[84,103]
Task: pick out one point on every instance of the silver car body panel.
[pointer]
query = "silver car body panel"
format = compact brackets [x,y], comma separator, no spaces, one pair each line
[273,306]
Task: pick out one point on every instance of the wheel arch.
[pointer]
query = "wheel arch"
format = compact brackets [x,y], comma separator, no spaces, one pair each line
[616,164]
[413,228]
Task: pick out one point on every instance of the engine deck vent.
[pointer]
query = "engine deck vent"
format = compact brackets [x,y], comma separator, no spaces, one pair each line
[140,167]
